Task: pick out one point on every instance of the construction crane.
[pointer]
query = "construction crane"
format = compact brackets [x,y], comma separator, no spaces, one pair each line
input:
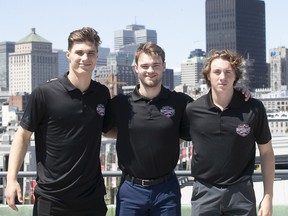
[112,84]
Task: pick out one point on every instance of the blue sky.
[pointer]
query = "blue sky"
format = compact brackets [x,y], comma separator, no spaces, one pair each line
[180,24]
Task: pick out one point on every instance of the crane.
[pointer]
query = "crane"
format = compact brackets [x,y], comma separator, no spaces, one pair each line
[112,84]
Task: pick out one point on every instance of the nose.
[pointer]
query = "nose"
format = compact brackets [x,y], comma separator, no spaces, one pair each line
[84,56]
[222,75]
[150,69]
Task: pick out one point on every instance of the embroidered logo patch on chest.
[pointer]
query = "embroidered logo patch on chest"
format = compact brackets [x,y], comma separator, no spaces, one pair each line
[243,130]
[100,109]
[167,111]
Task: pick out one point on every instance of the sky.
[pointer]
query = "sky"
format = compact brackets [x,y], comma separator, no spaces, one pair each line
[180,24]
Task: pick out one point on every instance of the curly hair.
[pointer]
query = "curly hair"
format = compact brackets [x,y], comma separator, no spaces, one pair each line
[237,62]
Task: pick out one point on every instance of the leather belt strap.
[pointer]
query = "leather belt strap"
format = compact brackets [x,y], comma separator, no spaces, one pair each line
[148,182]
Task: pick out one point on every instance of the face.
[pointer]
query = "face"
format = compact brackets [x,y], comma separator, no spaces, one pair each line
[221,76]
[82,57]
[150,70]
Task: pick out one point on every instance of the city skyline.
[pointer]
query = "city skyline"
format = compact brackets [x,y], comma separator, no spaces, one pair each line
[180,27]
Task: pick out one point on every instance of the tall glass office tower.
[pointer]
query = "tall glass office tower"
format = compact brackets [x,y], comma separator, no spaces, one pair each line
[239,25]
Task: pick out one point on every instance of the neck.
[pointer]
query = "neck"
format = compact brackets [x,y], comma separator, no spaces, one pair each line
[80,82]
[221,99]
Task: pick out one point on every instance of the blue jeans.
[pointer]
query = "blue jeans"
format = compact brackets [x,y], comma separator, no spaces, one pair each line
[158,200]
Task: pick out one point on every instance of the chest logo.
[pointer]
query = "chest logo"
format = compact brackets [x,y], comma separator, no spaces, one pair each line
[243,130]
[100,109]
[167,111]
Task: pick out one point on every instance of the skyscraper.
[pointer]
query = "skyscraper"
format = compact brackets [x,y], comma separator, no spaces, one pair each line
[5,49]
[133,34]
[32,64]
[239,25]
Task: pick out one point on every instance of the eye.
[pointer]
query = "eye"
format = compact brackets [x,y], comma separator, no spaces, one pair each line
[92,53]
[229,72]
[156,65]
[80,53]
[145,66]
[217,72]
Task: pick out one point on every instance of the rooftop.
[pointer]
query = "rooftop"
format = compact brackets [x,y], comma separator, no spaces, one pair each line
[33,37]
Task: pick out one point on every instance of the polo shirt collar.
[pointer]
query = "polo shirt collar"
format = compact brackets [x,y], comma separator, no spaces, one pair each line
[236,101]
[66,82]
[136,96]
[70,87]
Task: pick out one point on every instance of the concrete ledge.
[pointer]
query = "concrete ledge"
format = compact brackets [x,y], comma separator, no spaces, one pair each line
[26,210]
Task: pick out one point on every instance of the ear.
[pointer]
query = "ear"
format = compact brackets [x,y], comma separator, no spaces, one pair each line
[68,55]
[164,66]
[208,76]
[136,68]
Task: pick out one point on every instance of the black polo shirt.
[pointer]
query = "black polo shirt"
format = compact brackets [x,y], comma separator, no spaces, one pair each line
[224,141]
[148,131]
[68,127]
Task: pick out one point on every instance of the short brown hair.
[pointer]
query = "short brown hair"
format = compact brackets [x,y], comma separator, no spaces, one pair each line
[151,49]
[84,34]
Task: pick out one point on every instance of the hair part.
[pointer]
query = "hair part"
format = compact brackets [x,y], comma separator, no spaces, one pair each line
[82,35]
[151,49]
[236,61]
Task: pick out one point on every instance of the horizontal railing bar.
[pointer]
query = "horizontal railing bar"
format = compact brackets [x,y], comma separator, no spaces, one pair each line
[22,174]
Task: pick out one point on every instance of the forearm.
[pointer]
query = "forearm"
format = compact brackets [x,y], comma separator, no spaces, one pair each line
[17,153]
[268,171]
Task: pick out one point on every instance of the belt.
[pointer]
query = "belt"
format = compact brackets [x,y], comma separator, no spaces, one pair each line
[148,182]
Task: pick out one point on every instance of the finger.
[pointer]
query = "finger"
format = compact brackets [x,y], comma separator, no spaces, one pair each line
[14,207]
[259,212]
[19,196]
[11,203]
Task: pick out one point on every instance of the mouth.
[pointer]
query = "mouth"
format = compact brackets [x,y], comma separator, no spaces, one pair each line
[84,65]
[150,76]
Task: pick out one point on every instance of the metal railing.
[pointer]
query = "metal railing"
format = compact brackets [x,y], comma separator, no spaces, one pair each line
[278,173]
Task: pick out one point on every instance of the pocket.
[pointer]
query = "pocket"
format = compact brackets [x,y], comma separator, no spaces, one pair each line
[43,207]
[195,190]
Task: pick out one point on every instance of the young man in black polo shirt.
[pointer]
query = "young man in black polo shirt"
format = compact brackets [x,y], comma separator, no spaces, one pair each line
[150,123]
[66,115]
[224,129]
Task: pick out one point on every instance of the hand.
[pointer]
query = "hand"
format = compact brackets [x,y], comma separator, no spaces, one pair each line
[245,92]
[12,191]
[265,208]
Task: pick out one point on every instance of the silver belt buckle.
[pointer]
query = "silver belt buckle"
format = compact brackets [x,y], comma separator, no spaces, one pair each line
[145,183]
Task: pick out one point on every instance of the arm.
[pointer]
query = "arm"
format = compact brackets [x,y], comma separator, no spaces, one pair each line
[268,172]
[111,133]
[17,153]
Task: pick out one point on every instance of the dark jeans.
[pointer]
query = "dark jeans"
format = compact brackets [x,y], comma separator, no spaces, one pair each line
[44,207]
[158,200]
[238,199]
